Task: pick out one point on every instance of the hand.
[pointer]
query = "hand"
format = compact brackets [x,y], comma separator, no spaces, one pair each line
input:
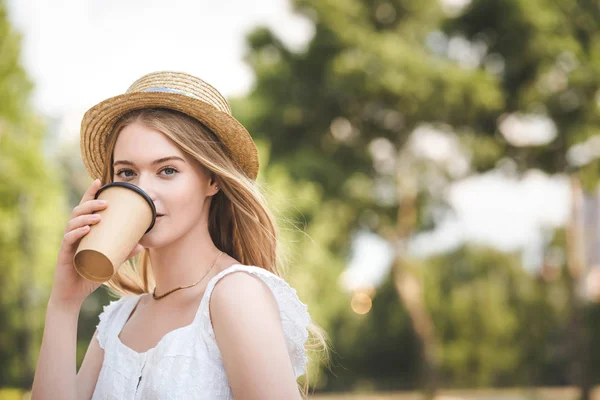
[69,288]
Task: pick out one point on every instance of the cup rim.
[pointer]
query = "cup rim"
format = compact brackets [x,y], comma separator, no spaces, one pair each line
[136,189]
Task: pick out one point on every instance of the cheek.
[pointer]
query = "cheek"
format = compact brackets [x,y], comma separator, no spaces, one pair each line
[182,200]
[176,224]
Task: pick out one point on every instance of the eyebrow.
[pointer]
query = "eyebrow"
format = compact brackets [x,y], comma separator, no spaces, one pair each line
[159,161]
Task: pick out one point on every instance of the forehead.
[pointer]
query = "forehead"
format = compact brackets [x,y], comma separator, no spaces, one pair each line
[138,143]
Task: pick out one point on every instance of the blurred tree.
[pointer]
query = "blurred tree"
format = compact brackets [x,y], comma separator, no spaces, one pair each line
[31,209]
[309,249]
[378,74]
[497,325]
[375,350]
[340,113]
[496,322]
[546,56]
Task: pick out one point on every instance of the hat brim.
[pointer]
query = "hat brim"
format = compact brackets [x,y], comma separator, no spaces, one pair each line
[99,120]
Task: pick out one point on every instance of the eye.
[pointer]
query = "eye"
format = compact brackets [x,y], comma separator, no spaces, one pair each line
[169,171]
[125,173]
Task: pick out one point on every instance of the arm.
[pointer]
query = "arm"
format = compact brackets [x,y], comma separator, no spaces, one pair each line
[90,369]
[55,372]
[55,376]
[250,336]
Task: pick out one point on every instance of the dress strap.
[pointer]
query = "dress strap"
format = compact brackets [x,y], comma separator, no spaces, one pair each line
[294,314]
[113,317]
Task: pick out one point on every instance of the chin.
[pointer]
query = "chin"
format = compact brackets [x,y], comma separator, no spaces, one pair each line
[154,240]
[164,234]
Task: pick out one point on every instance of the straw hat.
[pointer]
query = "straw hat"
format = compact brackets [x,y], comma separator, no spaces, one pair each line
[176,91]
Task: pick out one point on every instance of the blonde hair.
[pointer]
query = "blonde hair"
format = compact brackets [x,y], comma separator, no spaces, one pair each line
[239,222]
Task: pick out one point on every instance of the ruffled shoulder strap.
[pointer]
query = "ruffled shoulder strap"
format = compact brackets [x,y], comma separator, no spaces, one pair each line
[109,319]
[294,314]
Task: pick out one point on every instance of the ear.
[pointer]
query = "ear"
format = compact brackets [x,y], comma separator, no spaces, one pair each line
[213,186]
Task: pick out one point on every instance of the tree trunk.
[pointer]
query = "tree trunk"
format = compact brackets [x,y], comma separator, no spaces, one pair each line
[409,287]
[578,335]
[411,294]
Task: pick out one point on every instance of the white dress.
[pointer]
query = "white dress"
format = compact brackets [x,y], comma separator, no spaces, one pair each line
[186,363]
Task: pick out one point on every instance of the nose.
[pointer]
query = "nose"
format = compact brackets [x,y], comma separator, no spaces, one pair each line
[145,183]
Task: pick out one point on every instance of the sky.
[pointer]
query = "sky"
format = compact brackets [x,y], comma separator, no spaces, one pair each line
[488,209]
[79,52]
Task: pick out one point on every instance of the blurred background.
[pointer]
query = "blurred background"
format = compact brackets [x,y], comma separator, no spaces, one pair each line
[434,166]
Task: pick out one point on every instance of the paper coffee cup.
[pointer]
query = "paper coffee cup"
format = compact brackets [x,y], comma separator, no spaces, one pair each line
[130,214]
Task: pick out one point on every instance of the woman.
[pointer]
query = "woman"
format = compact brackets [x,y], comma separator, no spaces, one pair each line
[204,313]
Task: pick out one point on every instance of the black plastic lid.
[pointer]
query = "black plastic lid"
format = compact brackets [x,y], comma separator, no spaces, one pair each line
[136,189]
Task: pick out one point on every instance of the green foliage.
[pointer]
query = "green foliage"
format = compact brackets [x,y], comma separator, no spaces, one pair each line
[496,323]
[371,72]
[550,52]
[376,70]
[14,84]
[311,233]
[375,351]
[31,211]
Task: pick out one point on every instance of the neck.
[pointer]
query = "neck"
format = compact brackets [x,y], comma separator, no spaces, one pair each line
[184,261]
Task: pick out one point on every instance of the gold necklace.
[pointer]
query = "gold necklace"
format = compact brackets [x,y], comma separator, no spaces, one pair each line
[185,287]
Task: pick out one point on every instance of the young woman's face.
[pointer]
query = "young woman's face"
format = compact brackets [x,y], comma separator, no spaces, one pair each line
[178,185]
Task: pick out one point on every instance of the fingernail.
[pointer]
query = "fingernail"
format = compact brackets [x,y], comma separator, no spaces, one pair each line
[103,201]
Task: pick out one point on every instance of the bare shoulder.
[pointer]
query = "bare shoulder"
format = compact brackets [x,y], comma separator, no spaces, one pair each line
[240,289]
[248,330]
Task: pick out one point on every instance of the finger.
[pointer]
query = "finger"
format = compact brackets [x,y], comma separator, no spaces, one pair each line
[73,236]
[82,220]
[91,191]
[88,207]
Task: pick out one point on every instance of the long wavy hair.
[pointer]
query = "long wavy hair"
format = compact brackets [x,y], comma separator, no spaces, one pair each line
[240,223]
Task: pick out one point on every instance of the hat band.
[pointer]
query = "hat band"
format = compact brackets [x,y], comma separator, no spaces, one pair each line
[219,105]
[168,90]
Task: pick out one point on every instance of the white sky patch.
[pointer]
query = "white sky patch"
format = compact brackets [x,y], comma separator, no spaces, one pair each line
[585,152]
[508,214]
[490,209]
[454,7]
[441,146]
[370,262]
[527,129]
[79,52]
